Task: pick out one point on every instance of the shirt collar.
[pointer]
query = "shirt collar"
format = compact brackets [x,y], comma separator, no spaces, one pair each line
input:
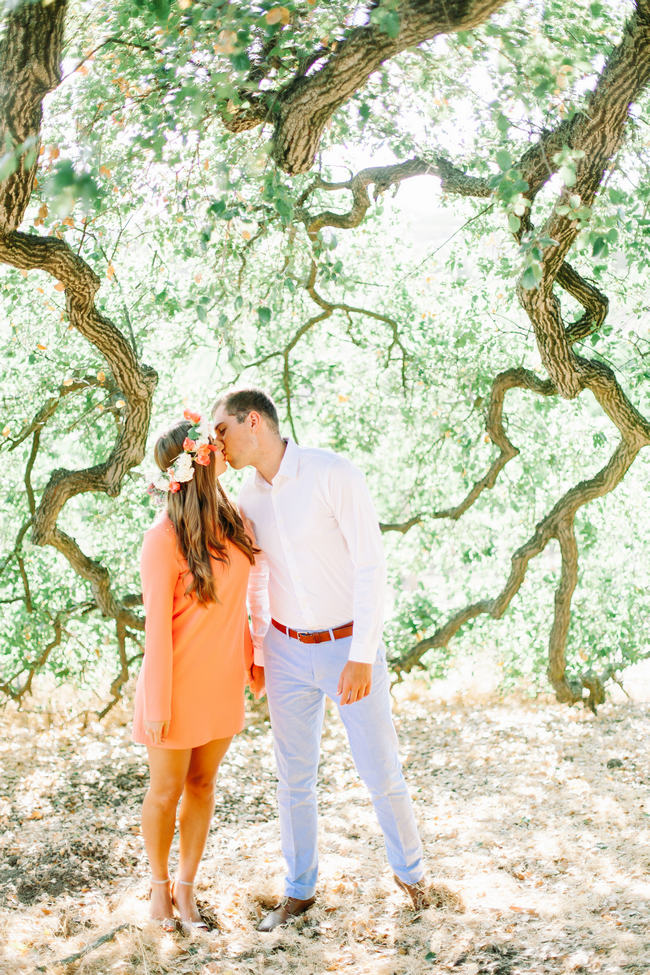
[288,465]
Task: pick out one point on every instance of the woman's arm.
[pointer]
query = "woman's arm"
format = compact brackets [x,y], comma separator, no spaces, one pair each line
[159,570]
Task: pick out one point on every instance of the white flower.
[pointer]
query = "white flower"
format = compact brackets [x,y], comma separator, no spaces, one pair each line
[161,481]
[183,468]
[206,430]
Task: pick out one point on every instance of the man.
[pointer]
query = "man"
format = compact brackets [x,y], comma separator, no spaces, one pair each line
[315,522]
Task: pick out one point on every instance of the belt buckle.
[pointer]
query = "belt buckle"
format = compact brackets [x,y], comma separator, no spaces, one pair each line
[300,634]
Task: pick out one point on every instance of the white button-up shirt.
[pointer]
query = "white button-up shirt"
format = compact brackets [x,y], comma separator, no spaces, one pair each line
[323,556]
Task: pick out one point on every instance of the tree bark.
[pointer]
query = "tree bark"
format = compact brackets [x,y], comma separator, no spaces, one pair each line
[302,109]
[30,53]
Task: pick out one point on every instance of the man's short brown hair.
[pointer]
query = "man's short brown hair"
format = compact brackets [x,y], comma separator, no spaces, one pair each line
[240,402]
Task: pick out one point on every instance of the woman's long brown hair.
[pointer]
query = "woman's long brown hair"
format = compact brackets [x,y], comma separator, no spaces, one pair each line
[202,515]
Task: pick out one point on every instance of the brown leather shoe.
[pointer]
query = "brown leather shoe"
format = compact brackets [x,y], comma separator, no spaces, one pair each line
[283,912]
[417,892]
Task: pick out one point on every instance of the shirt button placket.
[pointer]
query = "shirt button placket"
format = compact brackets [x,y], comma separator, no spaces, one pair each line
[283,535]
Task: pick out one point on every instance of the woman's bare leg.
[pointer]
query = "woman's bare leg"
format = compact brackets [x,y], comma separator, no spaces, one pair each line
[196,810]
[168,768]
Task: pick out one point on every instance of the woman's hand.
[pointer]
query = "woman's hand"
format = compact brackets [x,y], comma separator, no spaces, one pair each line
[256,681]
[156,731]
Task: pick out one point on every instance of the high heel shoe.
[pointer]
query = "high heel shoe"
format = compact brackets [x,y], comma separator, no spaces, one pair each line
[168,924]
[193,925]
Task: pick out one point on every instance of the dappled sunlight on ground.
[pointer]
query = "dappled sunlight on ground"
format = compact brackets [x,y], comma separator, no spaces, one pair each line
[534,819]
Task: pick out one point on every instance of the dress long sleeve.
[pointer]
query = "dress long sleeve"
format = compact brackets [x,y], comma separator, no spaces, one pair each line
[159,570]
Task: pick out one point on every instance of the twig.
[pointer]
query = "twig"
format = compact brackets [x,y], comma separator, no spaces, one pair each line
[91,947]
[402,527]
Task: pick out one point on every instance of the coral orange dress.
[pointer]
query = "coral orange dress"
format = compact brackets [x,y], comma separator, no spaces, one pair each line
[196,657]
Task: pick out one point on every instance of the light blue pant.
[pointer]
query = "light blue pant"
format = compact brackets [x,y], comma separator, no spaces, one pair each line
[298,676]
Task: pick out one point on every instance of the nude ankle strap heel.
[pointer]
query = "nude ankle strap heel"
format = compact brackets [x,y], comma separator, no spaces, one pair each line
[168,924]
[194,925]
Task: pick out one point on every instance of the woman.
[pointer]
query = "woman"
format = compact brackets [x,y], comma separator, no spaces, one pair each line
[189,700]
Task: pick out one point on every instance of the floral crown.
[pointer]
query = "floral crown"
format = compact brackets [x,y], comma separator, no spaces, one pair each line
[196,450]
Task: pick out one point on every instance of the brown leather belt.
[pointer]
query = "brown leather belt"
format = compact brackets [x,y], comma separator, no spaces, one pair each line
[320,636]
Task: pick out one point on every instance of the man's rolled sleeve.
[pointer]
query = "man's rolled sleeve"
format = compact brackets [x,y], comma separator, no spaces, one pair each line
[258,599]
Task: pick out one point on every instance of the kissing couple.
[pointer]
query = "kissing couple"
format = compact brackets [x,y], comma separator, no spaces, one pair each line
[303,547]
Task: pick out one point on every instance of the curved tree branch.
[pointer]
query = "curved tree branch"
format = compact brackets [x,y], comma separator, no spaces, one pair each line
[557,524]
[136,383]
[598,135]
[18,692]
[510,379]
[401,527]
[302,109]
[30,53]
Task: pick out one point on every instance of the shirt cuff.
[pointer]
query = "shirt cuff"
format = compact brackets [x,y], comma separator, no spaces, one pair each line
[362,653]
[258,655]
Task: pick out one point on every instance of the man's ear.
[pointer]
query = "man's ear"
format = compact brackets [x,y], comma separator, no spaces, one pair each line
[254,419]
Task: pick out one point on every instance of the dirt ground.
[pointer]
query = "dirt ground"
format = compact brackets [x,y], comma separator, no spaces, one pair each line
[534,819]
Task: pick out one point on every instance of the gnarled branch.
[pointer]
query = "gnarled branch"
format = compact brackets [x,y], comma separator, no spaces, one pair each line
[301,110]
[30,53]
[557,524]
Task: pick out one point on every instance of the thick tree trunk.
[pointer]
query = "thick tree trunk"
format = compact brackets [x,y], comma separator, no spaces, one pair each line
[30,52]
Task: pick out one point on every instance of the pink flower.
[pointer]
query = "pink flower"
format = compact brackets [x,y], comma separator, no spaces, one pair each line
[192,417]
[189,444]
[174,486]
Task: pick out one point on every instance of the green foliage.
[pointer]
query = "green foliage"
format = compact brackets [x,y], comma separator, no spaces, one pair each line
[386,16]
[13,152]
[65,187]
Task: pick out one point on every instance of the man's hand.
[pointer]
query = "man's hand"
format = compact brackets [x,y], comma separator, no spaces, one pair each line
[256,681]
[156,731]
[355,682]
